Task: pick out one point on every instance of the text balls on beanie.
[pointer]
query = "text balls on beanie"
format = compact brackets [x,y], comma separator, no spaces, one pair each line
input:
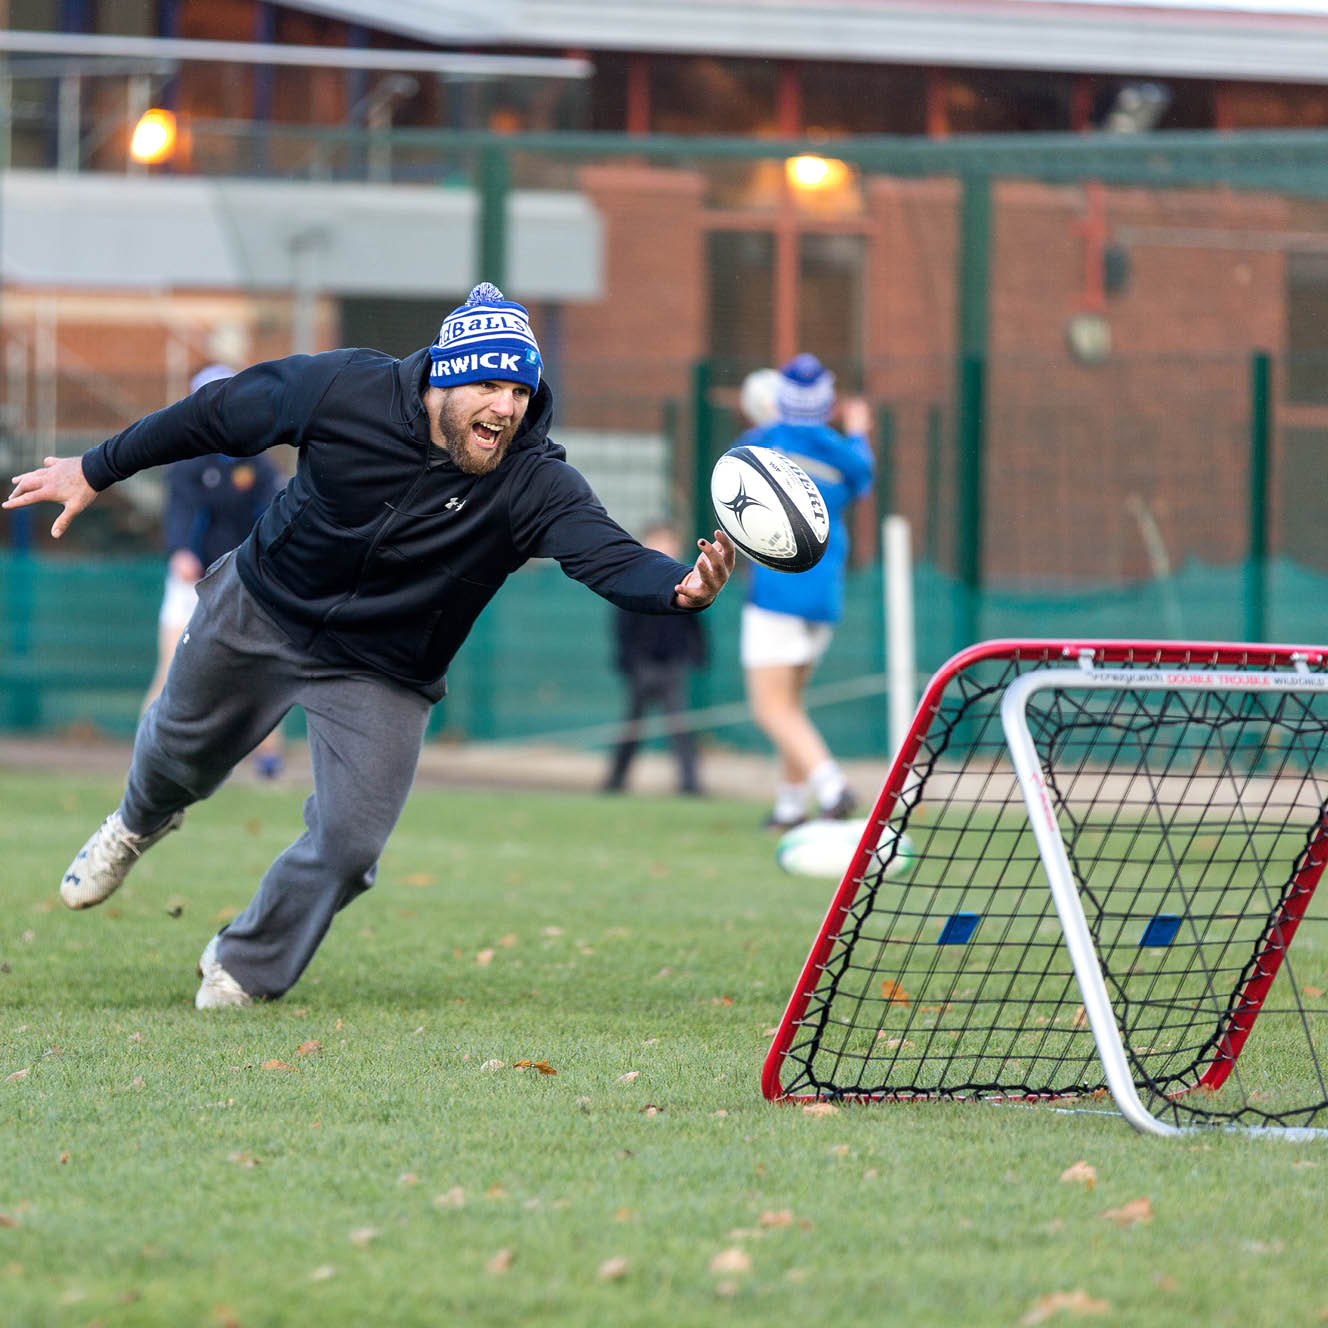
[488,337]
[212,373]
[806,391]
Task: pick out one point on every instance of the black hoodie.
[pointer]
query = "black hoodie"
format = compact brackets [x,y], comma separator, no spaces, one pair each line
[380,553]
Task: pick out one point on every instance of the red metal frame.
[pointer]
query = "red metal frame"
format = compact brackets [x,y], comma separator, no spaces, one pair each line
[1269,960]
[1213,653]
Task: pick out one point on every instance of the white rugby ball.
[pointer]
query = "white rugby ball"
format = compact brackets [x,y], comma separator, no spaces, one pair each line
[826,848]
[770,508]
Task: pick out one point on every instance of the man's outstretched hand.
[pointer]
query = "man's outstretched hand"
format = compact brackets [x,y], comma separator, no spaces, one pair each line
[60,480]
[713,568]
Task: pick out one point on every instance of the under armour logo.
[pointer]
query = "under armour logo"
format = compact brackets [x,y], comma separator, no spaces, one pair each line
[454,504]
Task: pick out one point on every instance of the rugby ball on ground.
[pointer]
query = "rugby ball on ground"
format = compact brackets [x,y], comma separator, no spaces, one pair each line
[770,508]
[826,848]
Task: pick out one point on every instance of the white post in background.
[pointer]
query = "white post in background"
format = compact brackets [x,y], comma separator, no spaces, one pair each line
[901,666]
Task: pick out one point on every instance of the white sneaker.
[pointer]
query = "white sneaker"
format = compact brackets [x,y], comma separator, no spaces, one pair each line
[218,989]
[104,861]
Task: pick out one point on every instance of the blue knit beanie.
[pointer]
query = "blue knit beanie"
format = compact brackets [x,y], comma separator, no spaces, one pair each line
[488,337]
[805,393]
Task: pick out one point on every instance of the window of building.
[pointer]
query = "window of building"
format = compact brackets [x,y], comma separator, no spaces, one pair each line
[125,18]
[1000,101]
[1275,106]
[1190,102]
[34,15]
[840,98]
[1307,328]
[396,326]
[701,95]
[608,93]
[535,105]
[740,272]
[831,277]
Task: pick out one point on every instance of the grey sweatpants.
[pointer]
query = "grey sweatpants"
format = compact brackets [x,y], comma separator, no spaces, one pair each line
[233,677]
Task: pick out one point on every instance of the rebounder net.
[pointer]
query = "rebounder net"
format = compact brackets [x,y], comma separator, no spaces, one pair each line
[1112,893]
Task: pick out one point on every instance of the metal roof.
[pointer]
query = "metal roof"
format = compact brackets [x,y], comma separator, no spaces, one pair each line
[1161,39]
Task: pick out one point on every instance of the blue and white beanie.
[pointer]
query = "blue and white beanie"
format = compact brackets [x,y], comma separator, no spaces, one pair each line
[805,393]
[488,337]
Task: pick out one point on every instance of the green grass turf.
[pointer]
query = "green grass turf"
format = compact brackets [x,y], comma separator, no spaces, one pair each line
[154,1170]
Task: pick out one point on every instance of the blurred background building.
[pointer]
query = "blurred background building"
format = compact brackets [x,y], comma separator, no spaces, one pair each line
[1075,254]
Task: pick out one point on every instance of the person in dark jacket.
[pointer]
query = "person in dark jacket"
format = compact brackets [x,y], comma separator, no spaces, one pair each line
[420,485]
[654,652]
[212,503]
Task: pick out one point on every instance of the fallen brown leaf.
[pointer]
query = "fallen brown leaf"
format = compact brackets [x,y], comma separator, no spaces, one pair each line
[542,1066]
[1082,1172]
[7,1221]
[629,1077]
[731,1261]
[782,1218]
[894,993]
[485,957]
[500,1262]
[308,1048]
[362,1236]
[453,1198]
[1127,1215]
[1072,1302]
[18,1074]
[820,1109]
[612,1269]
[275,1065]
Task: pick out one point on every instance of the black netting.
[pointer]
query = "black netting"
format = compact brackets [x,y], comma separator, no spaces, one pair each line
[1194,824]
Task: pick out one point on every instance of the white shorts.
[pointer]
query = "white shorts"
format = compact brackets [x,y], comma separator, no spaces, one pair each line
[177,604]
[770,638]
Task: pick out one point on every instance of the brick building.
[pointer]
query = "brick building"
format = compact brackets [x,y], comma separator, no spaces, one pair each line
[308,206]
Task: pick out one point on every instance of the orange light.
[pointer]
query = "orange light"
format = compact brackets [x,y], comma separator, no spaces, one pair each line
[154,136]
[816,173]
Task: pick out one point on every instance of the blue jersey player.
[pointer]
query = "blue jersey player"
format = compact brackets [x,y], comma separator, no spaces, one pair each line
[789,618]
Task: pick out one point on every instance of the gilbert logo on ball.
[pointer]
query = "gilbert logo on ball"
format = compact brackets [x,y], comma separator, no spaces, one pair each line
[770,508]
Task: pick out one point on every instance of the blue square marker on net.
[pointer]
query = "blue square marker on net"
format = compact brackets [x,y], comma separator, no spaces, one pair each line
[958,928]
[1160,931]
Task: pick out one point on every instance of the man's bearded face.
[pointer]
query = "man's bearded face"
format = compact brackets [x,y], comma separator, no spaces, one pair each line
[478,421]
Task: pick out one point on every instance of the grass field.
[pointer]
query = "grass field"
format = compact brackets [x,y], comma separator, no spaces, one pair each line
[366,1151]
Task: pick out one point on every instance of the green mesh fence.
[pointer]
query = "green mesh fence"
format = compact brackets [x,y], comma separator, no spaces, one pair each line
[1058,335]
[77,645]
